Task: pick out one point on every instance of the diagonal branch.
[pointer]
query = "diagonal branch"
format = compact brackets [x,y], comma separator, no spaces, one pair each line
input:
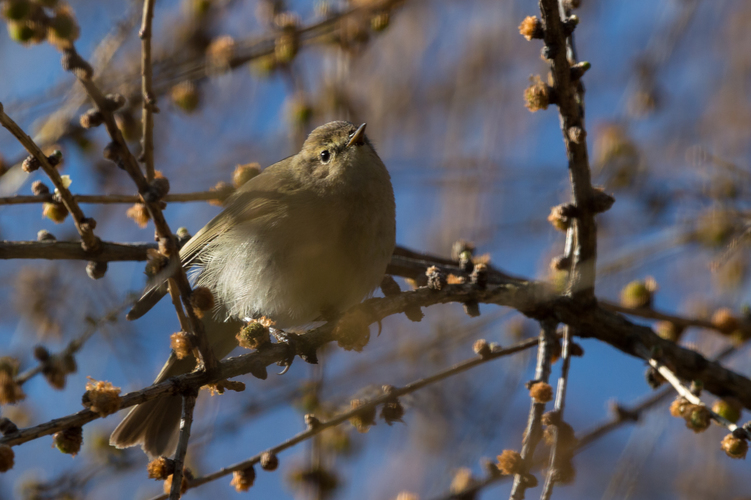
[532,299]
[85,227]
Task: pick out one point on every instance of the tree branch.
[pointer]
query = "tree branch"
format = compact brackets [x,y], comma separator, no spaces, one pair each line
[392,393]
[533,432]
[85,227]
[570,100]
[186,421]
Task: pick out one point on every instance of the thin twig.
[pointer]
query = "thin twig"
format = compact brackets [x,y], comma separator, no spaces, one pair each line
[77,343]
[84,226]
[533,432]
[692,398]
[149,100]
[343,417]
[127,161]
[186,421]
[560,404]
[621,416]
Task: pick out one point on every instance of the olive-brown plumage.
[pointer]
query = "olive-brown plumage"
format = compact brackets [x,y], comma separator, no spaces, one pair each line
[307,238]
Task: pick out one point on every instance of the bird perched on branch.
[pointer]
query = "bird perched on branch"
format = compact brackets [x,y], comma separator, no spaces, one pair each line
[307,238]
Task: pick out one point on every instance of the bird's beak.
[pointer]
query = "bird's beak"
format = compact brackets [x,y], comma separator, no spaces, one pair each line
[358,137]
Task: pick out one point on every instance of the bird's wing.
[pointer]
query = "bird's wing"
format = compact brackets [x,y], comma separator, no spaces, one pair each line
[261,196]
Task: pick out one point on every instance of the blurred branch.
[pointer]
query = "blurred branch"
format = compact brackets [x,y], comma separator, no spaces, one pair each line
[393,392]
[560,404]
[533,432]
[621,416]
[117,198]
[149,100]
[75,345]
[646,312]
[85,227]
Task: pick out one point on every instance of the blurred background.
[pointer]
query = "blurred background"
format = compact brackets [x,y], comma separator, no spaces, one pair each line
[440,84]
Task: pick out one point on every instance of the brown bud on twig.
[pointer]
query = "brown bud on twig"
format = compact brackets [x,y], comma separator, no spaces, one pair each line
[414,313]
[243,479]
[114,101]
[161,468]
[69,440]
[482,348]
[44,235]
[436,278]
[569,25]
[311,421]
[112,152]
[96,269]
[92,118]
[601,201]
[269,461]
[202,300]
[510,462]
[389,286]
[472,308]
[6,458]
[392,411]
[101,397]
[7,427]
[39,188]
[181,343]
[531,28]
[479,276]
[158,189]
[539,95]
[30,164]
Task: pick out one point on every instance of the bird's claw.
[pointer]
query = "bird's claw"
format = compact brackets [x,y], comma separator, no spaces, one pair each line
[290,340]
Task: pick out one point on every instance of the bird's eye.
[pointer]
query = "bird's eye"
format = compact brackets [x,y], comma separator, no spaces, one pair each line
[325,156]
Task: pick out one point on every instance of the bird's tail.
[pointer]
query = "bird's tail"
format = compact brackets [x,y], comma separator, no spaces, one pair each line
[155,424]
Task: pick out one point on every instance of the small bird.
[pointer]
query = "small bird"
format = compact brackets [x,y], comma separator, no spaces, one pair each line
[304,240]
